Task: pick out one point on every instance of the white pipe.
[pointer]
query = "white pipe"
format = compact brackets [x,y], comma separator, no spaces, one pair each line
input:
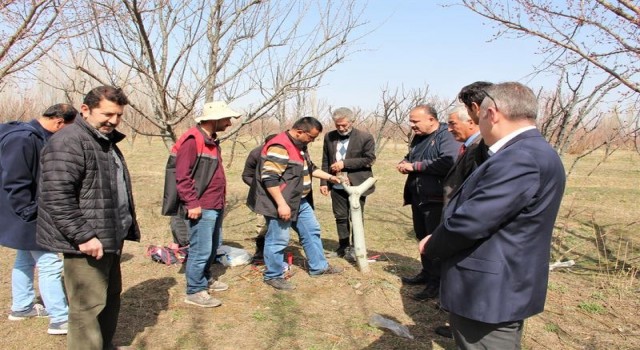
[355,192]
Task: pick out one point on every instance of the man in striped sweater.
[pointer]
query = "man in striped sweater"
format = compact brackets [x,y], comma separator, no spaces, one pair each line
[281,191]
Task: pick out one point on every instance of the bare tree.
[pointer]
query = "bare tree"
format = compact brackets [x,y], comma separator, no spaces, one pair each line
[172,55]
[390,119]
[603,34]
[569,114]
[29,30]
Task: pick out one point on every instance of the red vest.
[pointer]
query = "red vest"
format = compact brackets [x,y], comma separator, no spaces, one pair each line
[291,184]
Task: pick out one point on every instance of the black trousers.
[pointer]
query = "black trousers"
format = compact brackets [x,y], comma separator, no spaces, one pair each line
[475,335]
[426,217]
[340,205]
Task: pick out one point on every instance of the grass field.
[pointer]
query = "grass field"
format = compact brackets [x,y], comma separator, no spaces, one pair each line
[592,305]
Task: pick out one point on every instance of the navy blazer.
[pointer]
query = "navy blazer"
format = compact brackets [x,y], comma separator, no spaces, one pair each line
[20,147]
[360,156]
[495,238]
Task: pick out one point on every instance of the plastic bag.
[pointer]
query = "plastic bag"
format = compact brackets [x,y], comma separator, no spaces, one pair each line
[380,322]
[231,256]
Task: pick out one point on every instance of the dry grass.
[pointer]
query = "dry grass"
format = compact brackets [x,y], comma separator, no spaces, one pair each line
[593,305]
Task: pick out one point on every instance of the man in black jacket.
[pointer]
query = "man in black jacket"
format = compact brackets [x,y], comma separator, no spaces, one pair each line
[86,211]
[431,154]
[348,152]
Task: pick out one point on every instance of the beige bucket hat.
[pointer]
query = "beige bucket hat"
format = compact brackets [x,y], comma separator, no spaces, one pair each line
[216,110]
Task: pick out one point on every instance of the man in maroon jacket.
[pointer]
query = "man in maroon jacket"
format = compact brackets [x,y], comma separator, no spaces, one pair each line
[201,187]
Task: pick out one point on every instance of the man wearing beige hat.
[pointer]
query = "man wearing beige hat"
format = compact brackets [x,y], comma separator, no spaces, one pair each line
[201,190]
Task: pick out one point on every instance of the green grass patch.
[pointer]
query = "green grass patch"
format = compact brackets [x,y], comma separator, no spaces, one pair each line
[591,307]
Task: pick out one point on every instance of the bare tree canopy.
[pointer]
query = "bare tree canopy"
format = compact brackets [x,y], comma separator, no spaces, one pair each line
[172,55]
[29,30]
[603,34]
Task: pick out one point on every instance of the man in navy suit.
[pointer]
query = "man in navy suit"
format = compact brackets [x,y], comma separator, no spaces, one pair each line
[494,241]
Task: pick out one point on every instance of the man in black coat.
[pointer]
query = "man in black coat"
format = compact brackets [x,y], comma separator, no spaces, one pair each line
[431,154]
[350,153]
[86,211]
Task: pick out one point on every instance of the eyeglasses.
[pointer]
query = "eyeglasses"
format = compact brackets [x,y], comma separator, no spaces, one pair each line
[491,98]
[311,136]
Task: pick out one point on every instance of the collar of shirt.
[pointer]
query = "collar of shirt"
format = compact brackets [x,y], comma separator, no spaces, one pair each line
[210,140]
[471,139]
[503,141]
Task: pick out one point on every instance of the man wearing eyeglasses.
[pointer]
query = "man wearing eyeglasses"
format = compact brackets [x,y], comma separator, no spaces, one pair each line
[463,125]
[494,241]
[281,191]
[431,154]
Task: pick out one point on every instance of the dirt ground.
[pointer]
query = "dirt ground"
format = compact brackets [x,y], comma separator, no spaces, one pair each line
[592,305]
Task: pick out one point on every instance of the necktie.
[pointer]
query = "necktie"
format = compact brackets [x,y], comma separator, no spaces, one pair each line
[462,149]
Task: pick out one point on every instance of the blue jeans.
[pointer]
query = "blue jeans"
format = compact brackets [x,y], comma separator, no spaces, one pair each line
[277,240]
[49,280]
[204,239]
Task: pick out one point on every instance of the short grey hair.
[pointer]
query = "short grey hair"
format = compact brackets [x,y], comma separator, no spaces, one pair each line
[515,100]
[342,113]
[460,110]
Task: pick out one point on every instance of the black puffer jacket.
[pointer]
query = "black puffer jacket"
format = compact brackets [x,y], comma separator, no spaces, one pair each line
[78,191]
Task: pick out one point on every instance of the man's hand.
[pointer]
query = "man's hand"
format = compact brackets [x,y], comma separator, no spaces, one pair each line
[324,190]
[92,247]
[337,166]
[423,244]
[334,179]
[404,167]
[195,213]
[284,212]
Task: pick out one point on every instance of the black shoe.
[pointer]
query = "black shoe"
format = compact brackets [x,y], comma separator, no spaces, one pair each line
[341,251]
[258,258]
[431,291]
[420,278]
[349,254]
[444,331]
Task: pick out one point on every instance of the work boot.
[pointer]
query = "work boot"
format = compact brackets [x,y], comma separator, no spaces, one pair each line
[330,270]
[280,283]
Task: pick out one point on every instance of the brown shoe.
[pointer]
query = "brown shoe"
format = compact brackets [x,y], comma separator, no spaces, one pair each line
[330,270]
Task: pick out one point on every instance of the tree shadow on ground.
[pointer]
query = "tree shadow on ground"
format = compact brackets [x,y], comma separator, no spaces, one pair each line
[141,305]
[611,253]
